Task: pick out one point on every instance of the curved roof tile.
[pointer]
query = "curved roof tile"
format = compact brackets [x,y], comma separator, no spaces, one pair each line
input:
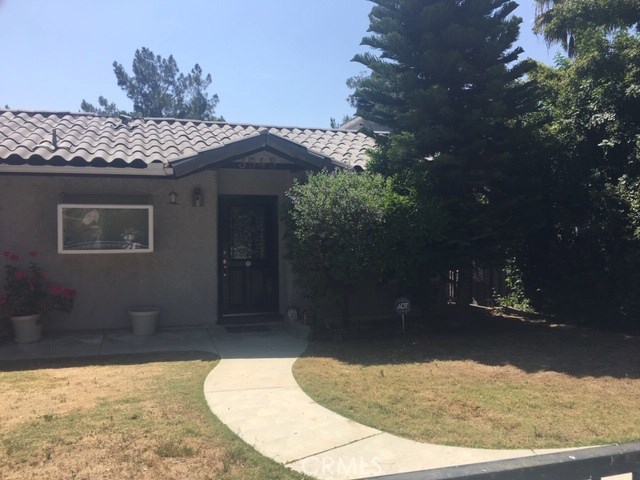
[86,139]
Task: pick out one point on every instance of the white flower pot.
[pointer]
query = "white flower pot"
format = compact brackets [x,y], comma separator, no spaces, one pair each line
[27,328]
[144,320]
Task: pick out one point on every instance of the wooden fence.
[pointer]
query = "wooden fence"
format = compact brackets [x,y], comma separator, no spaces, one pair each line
[486,284]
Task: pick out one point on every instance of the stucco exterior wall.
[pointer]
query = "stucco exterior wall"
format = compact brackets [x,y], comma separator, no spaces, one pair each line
[180,276]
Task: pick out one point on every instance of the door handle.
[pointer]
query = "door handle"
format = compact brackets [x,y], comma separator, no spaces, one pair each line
[247,263]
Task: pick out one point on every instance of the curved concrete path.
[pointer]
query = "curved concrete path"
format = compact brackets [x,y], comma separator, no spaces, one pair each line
[253,391]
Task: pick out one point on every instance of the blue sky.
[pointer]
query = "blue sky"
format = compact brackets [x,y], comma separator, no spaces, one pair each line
[275,62]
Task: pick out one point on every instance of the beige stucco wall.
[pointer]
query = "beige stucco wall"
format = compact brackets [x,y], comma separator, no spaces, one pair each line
[180,276]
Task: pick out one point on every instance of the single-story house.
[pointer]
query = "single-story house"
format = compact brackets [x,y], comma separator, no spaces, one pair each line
[175,213]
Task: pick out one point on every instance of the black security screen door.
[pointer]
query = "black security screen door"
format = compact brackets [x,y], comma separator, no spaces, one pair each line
[248,255]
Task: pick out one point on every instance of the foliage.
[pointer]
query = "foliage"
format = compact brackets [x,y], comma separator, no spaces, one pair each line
[335,232]
[559,21]
[335,124]
[527,162]
[158,89]
[26,291]
[585,260]
[515,296]
[423,223]
[446,79]
[104,108]
[443,66]
[344,227]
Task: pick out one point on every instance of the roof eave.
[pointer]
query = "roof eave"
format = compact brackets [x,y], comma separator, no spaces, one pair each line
[217,156]
[152,170]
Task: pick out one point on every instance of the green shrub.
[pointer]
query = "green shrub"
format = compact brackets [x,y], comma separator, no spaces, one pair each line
[515,296]
[338,231]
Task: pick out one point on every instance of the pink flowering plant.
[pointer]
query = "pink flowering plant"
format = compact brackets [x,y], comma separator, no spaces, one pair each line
[26,291]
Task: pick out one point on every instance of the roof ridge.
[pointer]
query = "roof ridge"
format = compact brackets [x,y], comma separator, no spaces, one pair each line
[49,112]
[61,113]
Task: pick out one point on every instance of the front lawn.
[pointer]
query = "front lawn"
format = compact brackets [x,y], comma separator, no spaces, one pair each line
[506,384]
[142,417]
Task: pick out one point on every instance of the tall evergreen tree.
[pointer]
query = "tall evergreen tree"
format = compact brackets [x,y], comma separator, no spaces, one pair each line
[446,79]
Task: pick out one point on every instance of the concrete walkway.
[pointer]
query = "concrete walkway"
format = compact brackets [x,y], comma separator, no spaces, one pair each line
[253,391]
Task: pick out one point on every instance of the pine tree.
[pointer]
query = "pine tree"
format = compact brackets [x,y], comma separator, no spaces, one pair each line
[158,89]
[446,79]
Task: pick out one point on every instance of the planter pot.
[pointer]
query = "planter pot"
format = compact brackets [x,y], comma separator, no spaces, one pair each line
[27,328]
[144,320]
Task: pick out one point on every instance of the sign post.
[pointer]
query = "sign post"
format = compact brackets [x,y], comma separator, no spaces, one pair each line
[402,307]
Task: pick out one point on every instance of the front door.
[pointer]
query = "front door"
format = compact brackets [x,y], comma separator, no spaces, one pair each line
[248,255]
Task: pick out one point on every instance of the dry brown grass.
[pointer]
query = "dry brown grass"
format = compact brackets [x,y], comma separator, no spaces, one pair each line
[509,385]
[140,417]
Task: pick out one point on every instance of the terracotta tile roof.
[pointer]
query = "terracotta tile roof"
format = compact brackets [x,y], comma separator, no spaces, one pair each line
[60,138]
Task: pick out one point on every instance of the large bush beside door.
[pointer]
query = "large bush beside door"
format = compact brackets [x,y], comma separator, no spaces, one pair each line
[344,227]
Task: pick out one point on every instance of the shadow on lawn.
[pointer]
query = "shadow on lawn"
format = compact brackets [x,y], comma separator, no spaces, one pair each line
[495,341]
[128,359]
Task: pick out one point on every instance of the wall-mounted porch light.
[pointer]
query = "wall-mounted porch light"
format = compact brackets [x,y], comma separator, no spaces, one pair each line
[198,199]
[173,198]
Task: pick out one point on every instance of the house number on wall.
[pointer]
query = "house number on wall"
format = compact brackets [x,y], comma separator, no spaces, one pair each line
[257,162]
